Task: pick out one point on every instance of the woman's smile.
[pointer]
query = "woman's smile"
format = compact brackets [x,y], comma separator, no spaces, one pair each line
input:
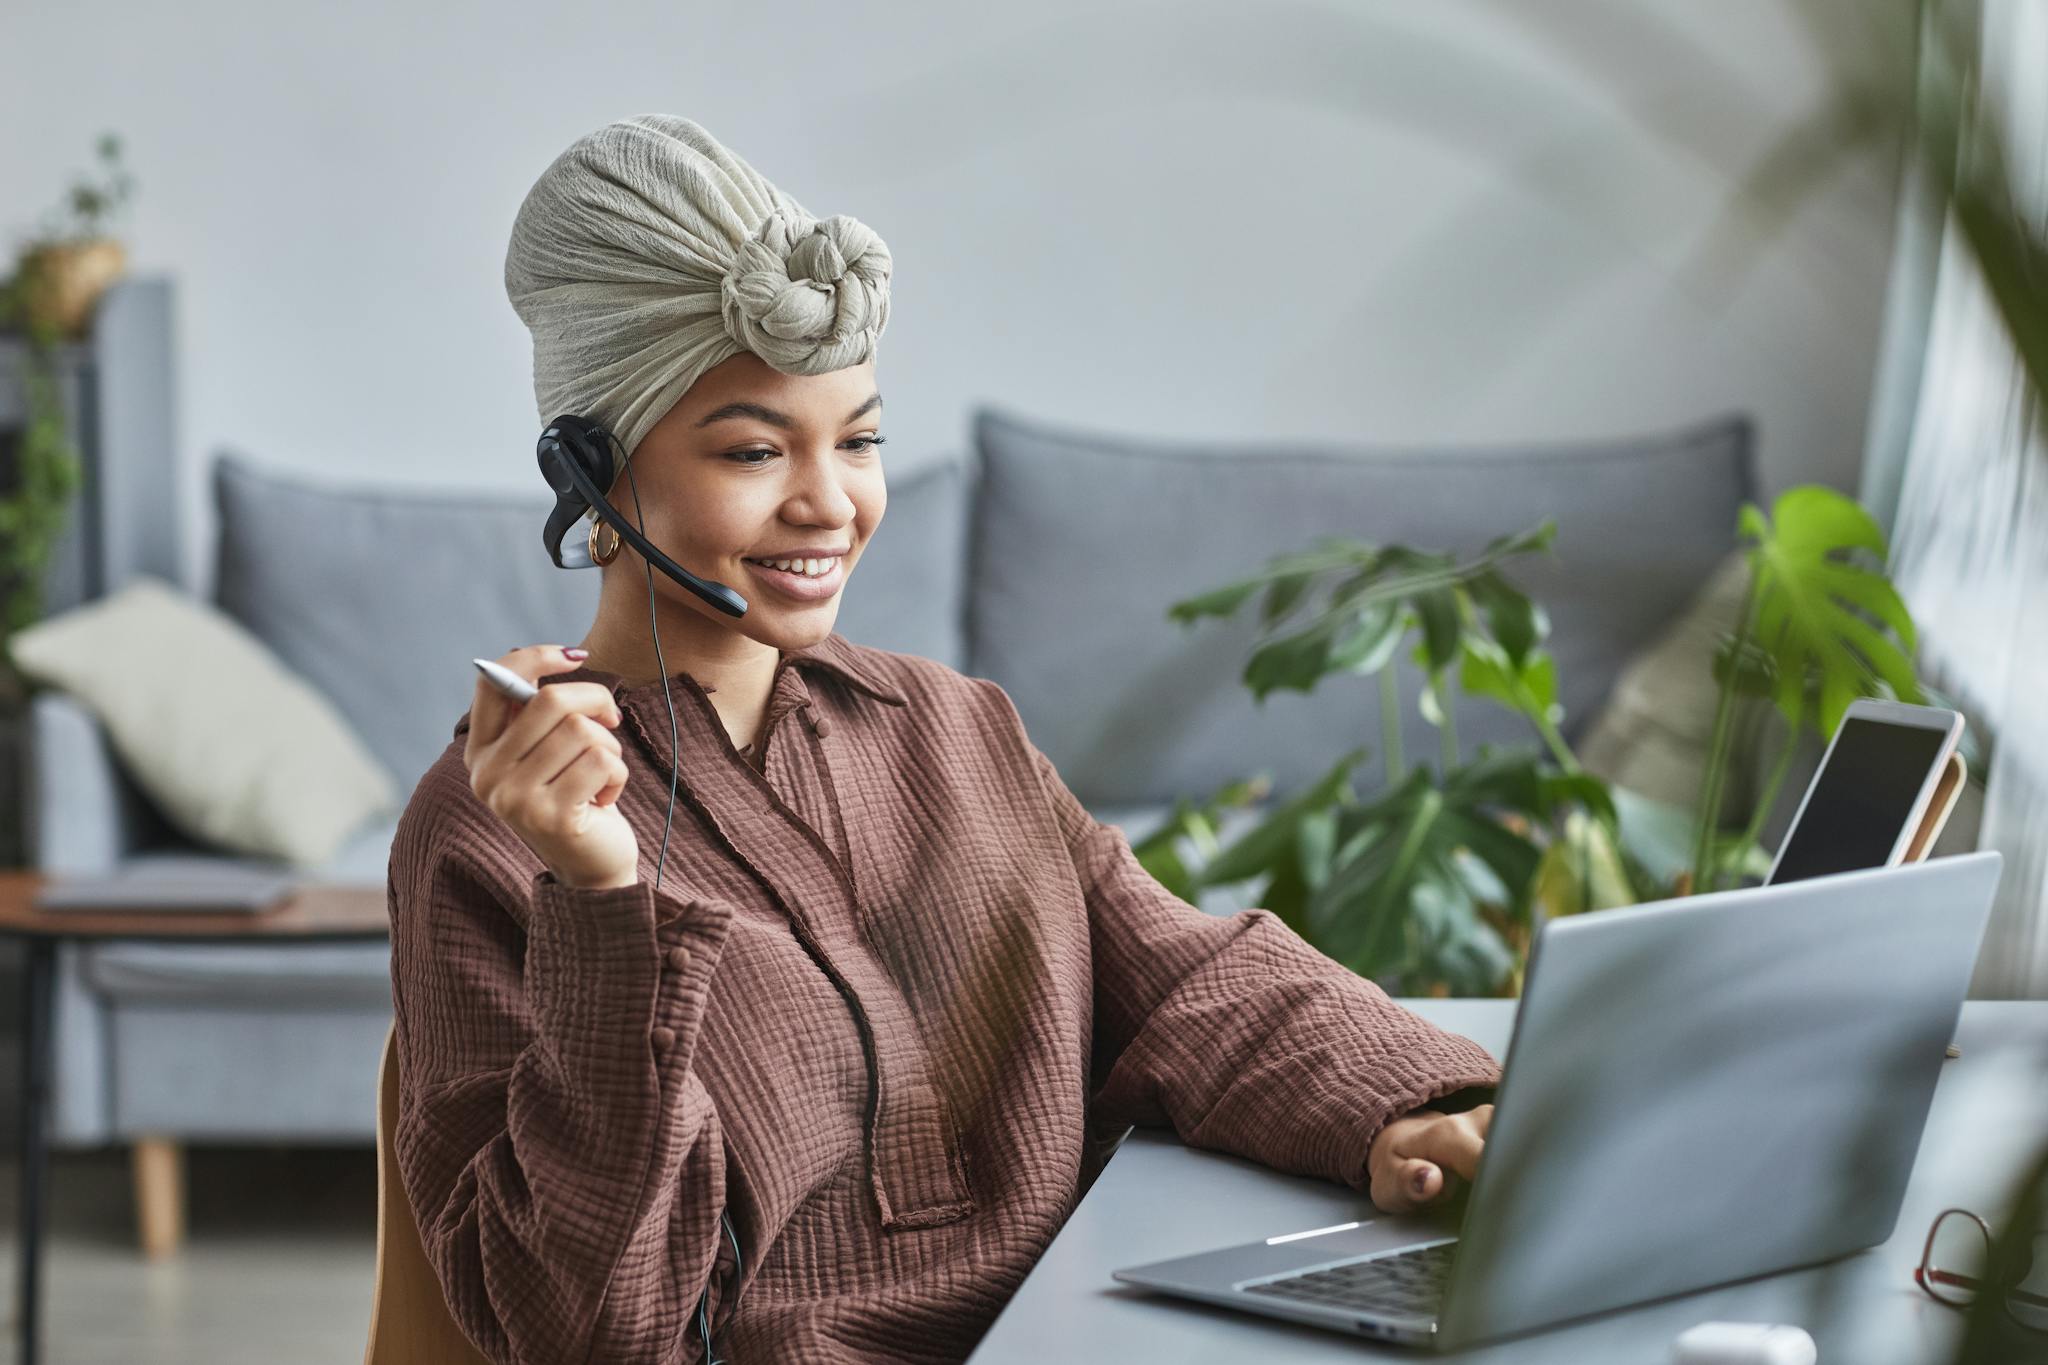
[795,582]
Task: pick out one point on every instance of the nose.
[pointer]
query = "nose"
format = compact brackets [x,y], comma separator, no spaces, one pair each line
[820,490]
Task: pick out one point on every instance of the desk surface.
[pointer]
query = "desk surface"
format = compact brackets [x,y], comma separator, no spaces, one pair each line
[314,910]
[1157,1199]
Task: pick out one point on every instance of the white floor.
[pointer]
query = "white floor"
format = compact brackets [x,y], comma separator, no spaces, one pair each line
[276,1269]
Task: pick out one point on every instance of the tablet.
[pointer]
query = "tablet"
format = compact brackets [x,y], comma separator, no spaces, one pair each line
[1876,787]
[145,890]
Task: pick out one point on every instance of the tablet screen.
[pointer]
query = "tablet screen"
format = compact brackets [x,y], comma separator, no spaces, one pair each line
[1861,799]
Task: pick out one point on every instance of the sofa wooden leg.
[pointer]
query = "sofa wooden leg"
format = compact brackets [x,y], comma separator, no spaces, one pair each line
[159,1172]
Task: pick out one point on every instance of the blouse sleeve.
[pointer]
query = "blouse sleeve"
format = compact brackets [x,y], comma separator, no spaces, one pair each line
[562,1158]
[1238,1033]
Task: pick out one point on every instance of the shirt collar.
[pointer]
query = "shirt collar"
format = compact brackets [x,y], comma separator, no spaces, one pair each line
[837,655]
[834,654]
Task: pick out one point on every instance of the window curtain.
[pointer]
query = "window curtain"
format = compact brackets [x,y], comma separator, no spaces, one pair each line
[1958,468]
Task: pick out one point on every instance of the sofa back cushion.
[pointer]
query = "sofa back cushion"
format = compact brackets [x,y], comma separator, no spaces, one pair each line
[1080,541]
[909,591]
[380,598]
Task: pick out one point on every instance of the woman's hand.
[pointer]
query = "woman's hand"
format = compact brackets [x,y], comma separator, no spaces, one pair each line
[1420,1155]
[551,769]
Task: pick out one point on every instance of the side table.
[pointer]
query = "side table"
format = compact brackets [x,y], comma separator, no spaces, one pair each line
[312,914]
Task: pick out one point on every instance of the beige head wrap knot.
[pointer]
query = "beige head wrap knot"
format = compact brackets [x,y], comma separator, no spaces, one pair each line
[648,253]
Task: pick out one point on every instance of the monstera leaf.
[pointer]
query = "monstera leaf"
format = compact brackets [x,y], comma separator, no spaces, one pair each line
[1429,886]
[1430,846]
[1822,614]
[1822,626]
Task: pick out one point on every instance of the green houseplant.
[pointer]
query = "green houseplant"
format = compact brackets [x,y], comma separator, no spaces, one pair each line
[1821,626]
[1431,886]
[58,276]
[1436,883]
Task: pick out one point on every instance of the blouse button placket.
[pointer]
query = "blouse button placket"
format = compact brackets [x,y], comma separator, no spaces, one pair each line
[915,1166]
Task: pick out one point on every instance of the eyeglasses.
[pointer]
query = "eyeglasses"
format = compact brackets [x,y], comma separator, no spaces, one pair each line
[1952,1269]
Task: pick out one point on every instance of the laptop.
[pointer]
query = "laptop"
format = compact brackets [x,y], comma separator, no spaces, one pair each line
[1629,1158]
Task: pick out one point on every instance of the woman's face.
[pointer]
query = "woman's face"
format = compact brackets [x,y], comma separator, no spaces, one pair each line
[753,465]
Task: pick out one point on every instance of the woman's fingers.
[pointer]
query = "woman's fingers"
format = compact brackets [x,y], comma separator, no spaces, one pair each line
[555,705]
[543,768]
[1406,1184]
[490,710]
[589,774]
[1453,1142]
[1423,1156]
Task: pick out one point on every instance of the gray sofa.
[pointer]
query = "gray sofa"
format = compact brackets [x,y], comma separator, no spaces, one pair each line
[1043,559]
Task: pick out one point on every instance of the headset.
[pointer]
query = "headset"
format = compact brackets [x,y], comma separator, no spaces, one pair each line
[575,454]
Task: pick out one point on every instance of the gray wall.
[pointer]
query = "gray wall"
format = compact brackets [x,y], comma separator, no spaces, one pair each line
[1345,220]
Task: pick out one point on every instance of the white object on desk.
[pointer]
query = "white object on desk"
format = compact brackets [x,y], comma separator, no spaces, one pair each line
[1744,1343]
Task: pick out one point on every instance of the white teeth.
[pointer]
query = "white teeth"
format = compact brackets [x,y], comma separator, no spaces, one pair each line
[809,568]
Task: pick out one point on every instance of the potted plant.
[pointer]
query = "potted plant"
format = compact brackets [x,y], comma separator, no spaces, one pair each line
[62,270]
[1431,886]
[59,275]
[1436,883]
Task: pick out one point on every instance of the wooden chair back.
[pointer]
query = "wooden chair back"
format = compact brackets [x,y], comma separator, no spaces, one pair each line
[409,1319]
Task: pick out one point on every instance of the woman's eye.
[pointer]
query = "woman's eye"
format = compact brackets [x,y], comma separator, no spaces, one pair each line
[865,444]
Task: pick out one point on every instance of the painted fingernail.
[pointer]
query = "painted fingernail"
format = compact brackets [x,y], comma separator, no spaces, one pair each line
[1421,1181]
[576,653]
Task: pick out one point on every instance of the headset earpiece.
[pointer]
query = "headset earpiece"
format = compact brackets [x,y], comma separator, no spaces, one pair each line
[575,458]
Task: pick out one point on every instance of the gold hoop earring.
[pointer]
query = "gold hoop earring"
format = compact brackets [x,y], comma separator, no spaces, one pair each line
[606,556]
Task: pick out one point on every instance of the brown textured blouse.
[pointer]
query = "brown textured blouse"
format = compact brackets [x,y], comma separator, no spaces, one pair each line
[896,994]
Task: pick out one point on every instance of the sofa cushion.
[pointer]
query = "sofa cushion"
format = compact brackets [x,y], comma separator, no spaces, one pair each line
[382,597]
[244,1074]
[909,590]
[233,747]
[1082,540]
[1654,733]
[303,976]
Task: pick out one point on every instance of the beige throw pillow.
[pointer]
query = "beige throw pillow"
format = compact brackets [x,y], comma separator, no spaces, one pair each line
[233,747]
[1653,733]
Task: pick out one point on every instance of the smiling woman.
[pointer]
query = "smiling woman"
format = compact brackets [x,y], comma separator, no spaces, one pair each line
[826,1090]
[750,469]
[726,337]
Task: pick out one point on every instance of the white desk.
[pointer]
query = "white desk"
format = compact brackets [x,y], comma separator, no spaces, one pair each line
[1157,1199]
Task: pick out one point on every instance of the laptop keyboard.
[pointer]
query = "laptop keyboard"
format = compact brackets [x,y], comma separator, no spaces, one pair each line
[1407,1282]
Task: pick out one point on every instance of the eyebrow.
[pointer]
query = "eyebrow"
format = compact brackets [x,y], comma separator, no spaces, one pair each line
[774,418]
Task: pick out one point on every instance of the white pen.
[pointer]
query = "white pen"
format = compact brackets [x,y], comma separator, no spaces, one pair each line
[506,681]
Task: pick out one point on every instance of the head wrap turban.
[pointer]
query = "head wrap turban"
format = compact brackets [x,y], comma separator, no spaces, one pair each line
[647,253]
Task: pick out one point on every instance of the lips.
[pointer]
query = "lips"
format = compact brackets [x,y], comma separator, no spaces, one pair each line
[802,587]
